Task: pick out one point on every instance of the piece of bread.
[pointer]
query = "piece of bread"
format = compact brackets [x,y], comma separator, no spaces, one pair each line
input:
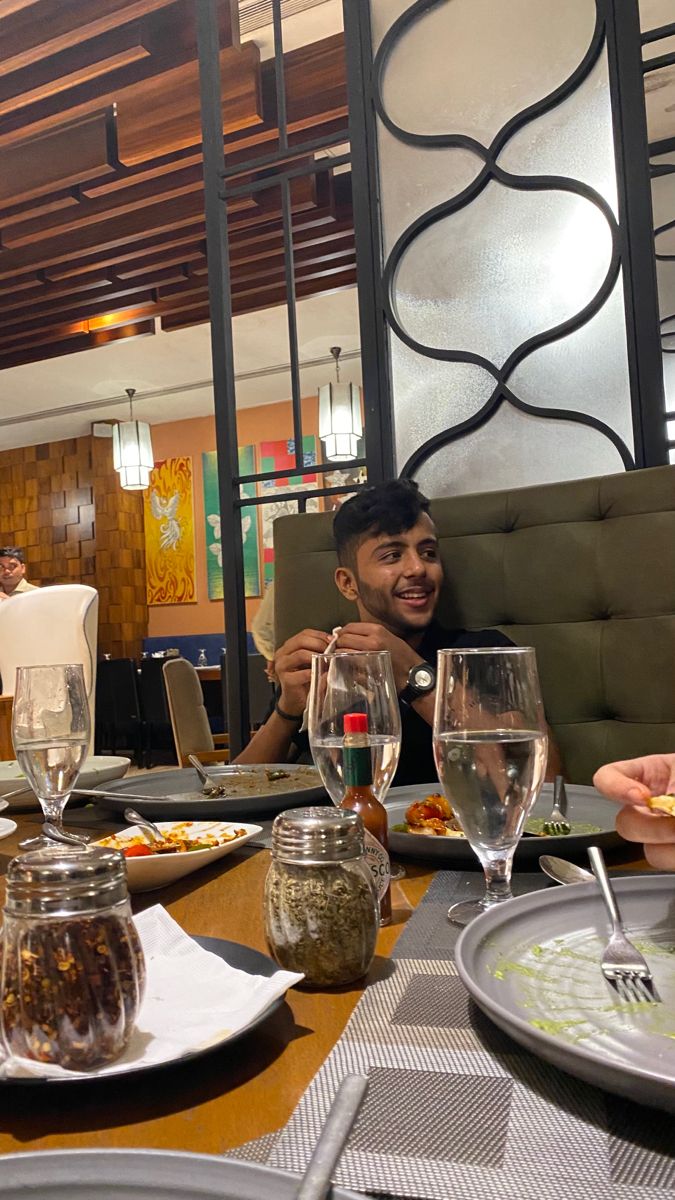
[664,804]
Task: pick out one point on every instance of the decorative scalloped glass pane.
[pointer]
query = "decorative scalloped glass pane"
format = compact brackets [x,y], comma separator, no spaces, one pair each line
[509,265]
[586,371]
[665,278]
[424,178]
[468,66]
[655,13]
[574,139]
[514,450]
[435,396]
[663,201]
[383,13]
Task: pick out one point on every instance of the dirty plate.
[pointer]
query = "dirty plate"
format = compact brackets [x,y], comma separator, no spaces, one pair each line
[151,871]
[591,815]
[533,965]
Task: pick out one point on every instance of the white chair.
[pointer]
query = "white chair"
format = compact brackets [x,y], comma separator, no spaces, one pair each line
[54,625]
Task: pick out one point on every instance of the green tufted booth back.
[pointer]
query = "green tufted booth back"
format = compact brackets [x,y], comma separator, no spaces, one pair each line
[584,571]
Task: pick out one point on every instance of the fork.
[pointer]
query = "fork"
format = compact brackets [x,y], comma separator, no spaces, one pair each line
[622,965]
[557,824]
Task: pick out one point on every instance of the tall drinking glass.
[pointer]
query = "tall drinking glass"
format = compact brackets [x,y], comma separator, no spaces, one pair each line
[490,748]
[50,731]
[354,682]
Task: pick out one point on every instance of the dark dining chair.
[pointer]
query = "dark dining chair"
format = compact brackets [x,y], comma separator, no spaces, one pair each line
[157,732]
[119,723]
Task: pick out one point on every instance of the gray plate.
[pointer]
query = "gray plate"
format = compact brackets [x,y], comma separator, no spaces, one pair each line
[163,789]
[143,1175]
[585,804]
[537,960]
[243,958]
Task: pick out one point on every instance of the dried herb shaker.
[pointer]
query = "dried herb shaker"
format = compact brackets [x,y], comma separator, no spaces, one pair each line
[321,909]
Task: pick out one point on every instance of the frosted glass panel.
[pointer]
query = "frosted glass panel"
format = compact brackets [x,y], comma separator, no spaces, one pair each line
[663,199]
[424,178]
[655,13]
[428,399]
[665,278]
[468,66]
[502,269]
[514,450]
[669,381]
[575,138]
[586,371]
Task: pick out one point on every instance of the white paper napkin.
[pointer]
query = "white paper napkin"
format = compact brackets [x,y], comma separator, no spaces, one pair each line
[193,999]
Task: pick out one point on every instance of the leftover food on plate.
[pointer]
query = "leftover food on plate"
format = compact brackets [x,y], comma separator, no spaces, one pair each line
[665,804]
[433,816]
[184,837]
[260,781]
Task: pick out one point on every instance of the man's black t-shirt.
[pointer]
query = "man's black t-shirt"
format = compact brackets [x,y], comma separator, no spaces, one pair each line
[416,764]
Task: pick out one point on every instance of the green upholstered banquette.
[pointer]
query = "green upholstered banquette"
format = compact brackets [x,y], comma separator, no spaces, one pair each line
[583,570]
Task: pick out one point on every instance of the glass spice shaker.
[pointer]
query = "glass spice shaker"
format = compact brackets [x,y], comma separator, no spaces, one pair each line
[73,972]
[321,907]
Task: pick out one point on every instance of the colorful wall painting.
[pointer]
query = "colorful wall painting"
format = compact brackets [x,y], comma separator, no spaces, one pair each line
[168,507]
[278,456]
[249,525]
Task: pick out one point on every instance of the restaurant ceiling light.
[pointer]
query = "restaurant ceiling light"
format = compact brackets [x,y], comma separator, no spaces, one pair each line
[132,450]
[340,424]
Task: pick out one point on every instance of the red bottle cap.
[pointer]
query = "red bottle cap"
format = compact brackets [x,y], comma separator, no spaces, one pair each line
[356,722]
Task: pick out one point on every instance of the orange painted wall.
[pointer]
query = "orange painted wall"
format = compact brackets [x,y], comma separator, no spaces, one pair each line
[264,423]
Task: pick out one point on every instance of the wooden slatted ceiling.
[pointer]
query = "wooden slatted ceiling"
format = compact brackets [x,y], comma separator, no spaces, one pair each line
[101,189]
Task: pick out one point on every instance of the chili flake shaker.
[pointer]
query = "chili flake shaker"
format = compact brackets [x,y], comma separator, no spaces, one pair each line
[73,972]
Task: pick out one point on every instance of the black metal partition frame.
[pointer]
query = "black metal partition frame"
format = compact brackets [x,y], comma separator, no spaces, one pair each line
[657,150]
[293,158]
[617,28]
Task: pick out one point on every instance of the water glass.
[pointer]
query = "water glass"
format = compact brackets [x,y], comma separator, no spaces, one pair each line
[354,682]
[50,730]
[490,747]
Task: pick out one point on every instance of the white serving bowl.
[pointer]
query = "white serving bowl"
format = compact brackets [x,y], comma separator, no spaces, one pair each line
[152,871]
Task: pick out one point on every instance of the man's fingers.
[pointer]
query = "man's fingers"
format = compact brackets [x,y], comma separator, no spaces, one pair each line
[638,825]
[619,782]
[661,856]
[295,661]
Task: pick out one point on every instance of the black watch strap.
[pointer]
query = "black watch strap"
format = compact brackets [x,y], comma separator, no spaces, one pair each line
[421,681]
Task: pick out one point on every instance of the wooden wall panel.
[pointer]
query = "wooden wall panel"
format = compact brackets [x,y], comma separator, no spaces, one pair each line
[120,558]
[62,503]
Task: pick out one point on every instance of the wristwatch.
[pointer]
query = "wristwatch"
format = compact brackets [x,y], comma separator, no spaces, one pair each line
[421,681]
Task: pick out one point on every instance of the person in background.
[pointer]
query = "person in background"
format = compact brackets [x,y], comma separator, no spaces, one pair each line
[389,565]
[13,573]
[262,631]
[632,783]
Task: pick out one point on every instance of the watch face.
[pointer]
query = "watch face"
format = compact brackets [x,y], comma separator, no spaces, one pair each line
[423,678]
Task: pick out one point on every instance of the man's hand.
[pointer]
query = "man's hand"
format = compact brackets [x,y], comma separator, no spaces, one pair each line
[292,664]
[359,635]
[631,783]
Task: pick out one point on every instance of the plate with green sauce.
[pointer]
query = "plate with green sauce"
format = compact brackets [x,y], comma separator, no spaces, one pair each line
[533,966]
[591,816]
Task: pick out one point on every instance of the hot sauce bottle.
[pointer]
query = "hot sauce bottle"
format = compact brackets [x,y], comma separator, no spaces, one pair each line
[360,797]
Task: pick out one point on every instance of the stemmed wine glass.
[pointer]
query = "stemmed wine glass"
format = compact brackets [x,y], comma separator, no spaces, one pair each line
[50,730]
[490,747]
[354,682]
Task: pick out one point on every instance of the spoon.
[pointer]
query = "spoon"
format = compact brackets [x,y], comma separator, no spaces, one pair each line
[135,818]
[316,1181]
[563,871]
[204,777]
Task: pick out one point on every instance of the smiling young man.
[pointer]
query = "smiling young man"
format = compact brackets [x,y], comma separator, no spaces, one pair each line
[389,565]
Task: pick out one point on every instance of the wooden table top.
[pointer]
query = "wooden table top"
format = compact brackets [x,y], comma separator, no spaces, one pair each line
[227,1097]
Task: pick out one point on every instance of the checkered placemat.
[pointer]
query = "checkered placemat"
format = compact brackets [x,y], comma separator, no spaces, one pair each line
[454,1107]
